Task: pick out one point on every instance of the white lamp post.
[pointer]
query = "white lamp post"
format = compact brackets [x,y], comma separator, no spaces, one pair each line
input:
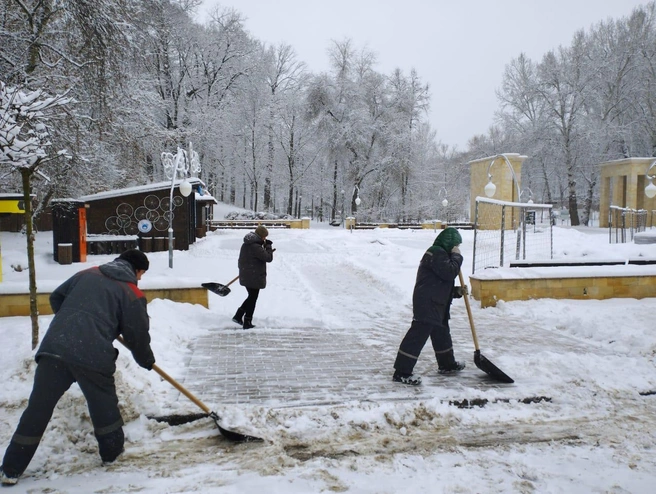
[357,196]
[650,190]
[357,202]
[445,202]
[490,189]
[177,166]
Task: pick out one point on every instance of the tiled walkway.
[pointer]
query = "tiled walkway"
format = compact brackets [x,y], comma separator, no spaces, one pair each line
[307,366]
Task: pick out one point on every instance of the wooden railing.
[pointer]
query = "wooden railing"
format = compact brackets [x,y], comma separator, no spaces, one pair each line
[252,224]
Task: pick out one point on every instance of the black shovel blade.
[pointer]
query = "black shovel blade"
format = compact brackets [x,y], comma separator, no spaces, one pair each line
[234,436]
[489,368]
[177,419]
[218,288]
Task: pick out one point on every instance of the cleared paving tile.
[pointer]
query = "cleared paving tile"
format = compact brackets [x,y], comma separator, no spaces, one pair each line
[307,366]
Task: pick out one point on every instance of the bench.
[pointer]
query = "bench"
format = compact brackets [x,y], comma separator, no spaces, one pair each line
[247,224]
[110,244]
[409,226]
[461,226]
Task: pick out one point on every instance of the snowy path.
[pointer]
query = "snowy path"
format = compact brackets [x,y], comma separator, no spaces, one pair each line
[314,380]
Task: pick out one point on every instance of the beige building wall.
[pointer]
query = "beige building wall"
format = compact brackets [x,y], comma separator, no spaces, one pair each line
[623,184]
[502,177]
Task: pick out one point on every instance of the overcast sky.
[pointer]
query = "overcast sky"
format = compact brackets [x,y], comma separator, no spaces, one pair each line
[459,47]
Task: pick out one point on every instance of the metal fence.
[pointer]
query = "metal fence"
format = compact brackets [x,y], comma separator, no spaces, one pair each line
[624,223]
[506,231]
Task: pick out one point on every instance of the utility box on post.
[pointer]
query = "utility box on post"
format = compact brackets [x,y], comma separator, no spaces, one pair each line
[69,227]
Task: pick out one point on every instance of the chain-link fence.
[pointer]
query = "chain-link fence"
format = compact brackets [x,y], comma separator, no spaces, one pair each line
[510,231]
[624,223]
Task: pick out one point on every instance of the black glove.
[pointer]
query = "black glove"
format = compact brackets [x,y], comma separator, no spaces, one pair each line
[460,291]
[268,242]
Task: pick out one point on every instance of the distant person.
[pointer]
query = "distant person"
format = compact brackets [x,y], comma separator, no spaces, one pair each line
[431,300]
[91,309]
[255,253]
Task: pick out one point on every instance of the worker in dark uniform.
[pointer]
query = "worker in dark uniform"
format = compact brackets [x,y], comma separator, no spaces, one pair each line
[431,300]
[91,309]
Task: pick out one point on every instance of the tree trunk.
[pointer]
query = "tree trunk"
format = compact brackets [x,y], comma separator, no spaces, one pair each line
[26,174]
[269,167]
[333,212]
[290,198]
[546,199]
[571,199]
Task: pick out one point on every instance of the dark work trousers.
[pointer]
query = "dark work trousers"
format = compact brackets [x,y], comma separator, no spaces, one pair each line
[414,342]
[248,307]
[52,379]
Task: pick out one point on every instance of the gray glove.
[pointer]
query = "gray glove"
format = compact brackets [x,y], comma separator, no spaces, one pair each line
[455,250]
[460,291]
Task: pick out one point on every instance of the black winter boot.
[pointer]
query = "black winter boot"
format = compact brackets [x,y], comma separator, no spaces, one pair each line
[248,323]
[238,317]
[446,363]
[452,368]
[409,379]
[6,479]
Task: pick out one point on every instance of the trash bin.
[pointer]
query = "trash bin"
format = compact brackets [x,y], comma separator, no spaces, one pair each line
[158,244]
[146,244]
[65,253]
[530,217]
[66,228]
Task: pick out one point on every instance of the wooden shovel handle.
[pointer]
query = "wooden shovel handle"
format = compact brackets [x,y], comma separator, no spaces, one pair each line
[173,382]
[469,312]
[232,281]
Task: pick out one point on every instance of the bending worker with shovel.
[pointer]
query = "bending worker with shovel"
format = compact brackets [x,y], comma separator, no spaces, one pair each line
[431,300]
[92,308]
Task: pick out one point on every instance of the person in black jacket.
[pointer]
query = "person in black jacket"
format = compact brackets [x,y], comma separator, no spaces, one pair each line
[91,309]
[255,252]
[434,291]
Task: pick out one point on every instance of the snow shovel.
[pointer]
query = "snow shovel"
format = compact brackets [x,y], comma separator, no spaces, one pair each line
[235,437]
[481,362]
[218,288]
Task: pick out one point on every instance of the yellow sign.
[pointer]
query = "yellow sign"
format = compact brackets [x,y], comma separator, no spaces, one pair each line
[12,206]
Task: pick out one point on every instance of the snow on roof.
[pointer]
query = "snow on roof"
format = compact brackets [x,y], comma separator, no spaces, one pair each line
[489,200]
[13,195]
[205,197]
[138,189]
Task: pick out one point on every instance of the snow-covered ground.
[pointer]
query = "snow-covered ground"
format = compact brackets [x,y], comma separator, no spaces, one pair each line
[594,360]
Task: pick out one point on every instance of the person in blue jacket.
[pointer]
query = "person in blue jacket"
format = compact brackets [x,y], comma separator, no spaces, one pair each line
[431,300]
[91,309]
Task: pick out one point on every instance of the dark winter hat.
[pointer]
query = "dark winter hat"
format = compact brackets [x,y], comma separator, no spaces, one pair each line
[262,231]
[137,258]
[448,239]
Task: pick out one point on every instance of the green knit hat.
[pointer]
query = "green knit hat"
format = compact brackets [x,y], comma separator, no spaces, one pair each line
[448,239]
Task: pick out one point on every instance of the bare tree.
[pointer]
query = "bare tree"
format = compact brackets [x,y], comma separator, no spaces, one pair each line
[25,118]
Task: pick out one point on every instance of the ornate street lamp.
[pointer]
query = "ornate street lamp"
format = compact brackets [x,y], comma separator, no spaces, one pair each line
[490,189]
[650,190]
[176,167]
